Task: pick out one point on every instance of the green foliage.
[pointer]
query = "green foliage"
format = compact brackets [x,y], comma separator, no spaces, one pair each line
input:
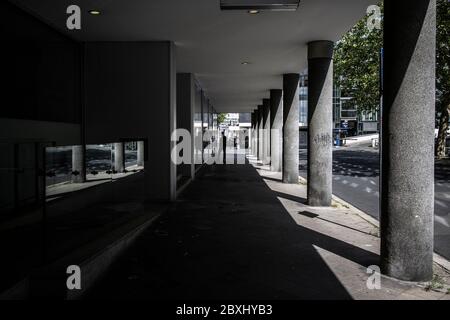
[442,74]
[357,65]
[443,52]
[357,61]
[221,118]
[436,284]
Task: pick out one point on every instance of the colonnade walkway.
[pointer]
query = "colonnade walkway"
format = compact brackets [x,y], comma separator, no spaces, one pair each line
[238,233]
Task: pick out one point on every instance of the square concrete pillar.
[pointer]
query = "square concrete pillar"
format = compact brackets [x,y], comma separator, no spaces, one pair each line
[185,116]
[131,94]
[119,157]
[78,164]
[140,153]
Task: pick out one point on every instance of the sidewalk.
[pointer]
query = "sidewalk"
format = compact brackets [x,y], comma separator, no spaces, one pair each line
[239,233]
[361,139]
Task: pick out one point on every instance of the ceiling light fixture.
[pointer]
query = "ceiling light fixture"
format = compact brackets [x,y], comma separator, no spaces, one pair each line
[259,5]
[94,12]
[254,11]
[245,63]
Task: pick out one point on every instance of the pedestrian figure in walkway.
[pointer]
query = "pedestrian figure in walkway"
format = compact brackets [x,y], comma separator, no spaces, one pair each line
[224,147]
[213,149]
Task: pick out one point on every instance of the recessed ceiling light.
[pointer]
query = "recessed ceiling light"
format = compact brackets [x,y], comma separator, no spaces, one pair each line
[244,63]
[94,12]
[253,11]
[269,5]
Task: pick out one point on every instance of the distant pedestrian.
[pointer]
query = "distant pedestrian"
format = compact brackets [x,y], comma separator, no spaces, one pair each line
[224,147]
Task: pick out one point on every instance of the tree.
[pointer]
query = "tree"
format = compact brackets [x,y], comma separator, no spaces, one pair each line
[357,65]
[221,118]
[442,74]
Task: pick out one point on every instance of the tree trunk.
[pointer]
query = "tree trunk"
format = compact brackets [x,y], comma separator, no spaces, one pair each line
[442,135]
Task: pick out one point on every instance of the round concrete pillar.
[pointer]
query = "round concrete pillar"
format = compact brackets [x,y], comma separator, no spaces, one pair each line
[407,180]
[119,157]
[260,133]
[252,140]
[290,127]
[78,164]
[255,134]
[320,123]
[256,152]
[276,125]
[140,153]
[266,133]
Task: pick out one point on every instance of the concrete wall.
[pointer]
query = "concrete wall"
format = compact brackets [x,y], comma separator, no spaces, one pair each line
[131,95]
[59,133]
[41,95]
[41,68]
[18,188]
[198,126]
[185,118]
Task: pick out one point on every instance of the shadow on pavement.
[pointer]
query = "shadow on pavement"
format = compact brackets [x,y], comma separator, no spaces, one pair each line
[229,237]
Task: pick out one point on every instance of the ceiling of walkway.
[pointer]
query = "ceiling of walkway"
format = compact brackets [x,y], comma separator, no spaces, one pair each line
[212,43]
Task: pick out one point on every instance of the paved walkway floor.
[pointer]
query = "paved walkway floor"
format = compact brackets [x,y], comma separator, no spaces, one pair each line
[239,233]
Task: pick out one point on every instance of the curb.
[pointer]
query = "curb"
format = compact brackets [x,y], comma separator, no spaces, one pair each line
[437,259]
[97,265]
[441,261]
[359,212]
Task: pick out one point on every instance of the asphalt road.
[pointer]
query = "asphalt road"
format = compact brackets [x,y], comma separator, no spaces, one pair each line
[356,178]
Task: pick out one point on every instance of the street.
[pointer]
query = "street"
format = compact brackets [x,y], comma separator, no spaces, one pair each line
[356,178]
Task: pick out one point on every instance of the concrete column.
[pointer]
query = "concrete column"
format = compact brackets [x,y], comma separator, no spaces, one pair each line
[202,116]
[260,133]
[119,157]
[407,184]
[150,113]
[276,125]
[185,116]
[172,121]
[266,119]
[256,141]
[290,127]
[253,131]
[140,153]
[78,164]
[320,123]
[253,134]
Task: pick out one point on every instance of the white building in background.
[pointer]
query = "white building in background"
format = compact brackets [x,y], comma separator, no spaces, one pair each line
[236,125]
[245,120]
[236,121]
[232,120]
